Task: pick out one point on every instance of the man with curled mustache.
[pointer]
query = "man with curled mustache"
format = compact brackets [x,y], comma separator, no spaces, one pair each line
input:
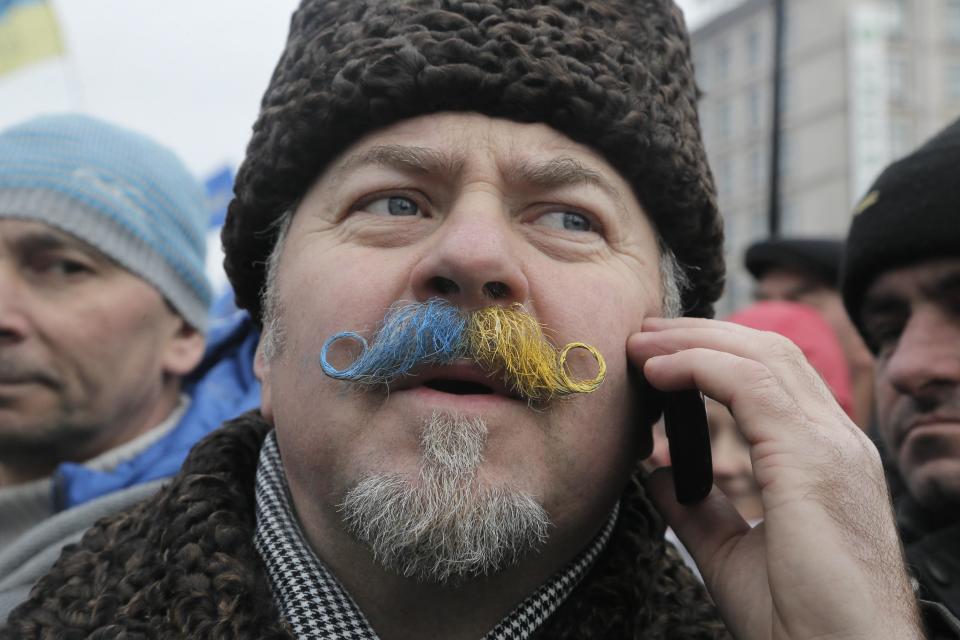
[542,158]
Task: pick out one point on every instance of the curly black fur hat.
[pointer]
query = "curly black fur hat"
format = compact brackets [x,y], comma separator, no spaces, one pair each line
[615,75]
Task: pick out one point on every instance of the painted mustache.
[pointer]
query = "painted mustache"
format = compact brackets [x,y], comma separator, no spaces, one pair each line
[500,339]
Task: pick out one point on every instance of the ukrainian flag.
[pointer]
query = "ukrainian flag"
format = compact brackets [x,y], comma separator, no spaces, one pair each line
[28,32]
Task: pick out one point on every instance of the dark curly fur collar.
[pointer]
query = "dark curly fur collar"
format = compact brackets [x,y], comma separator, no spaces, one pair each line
[183,565]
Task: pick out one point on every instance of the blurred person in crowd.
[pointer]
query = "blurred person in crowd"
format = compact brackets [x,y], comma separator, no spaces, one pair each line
[104,380]
[807,270]
[901,285]
[428,186]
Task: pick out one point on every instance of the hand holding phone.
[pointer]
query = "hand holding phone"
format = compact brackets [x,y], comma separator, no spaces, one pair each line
[826,558]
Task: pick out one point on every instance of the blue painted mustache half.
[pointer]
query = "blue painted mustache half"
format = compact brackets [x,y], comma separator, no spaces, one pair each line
[411,335]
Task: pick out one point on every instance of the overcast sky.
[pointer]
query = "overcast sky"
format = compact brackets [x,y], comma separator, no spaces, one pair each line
[190,73]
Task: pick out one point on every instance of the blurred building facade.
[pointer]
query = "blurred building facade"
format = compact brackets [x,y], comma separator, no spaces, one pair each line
[864,82]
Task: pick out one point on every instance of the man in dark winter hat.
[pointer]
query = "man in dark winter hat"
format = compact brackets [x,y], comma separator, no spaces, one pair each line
[458,223]
[807,270]
[901,286]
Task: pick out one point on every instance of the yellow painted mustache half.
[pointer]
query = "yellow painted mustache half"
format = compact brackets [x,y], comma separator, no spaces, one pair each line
[501,339]
[512,339]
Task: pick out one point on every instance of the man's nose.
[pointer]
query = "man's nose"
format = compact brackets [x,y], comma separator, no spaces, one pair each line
[472,261]
[927,354]
[13,319]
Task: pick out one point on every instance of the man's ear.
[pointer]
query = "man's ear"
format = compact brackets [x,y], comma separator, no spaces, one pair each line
[184,350]
[261,369]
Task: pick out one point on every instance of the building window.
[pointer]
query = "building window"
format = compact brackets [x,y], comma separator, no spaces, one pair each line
[899,18]
[725,177]
[723,62]
[753,48]
[786,91]
[952,20]
[725,118]
[701,70]
[755,108]
[789,215]
[901,136]
[758,167]
[760,221]
[899,76]
[953,81]
[787,28]
[786,154]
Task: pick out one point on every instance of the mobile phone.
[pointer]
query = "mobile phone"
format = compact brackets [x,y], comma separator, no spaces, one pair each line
[688,437]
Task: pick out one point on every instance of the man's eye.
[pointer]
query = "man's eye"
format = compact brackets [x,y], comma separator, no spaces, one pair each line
[882,336]
[393,206]
[566,220]
[58,266]
[70,267]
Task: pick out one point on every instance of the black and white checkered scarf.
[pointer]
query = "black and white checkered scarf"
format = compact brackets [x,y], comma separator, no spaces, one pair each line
[315,604]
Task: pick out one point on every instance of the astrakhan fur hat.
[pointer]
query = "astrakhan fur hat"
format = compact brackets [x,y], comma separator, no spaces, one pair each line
[614,75]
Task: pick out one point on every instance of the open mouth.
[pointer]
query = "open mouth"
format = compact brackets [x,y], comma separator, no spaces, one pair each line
[458,387]
[458,379]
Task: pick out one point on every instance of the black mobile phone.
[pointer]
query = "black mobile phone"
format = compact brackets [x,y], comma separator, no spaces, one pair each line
[688,437]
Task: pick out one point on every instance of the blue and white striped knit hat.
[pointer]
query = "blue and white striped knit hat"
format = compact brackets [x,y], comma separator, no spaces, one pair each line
[119,192]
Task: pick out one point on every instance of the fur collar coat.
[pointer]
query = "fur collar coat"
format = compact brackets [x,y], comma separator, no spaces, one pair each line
[182,564]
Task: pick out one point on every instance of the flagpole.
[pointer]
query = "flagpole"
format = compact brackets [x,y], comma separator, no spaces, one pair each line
[71,72]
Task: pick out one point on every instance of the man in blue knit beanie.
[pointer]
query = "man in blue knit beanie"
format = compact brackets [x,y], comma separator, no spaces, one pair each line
[103,319]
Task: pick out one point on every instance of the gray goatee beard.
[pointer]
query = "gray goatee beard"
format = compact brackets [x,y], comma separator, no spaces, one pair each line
[446,527]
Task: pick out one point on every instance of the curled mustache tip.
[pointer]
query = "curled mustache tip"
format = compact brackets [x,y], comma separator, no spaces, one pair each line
[346,373]
[583,386]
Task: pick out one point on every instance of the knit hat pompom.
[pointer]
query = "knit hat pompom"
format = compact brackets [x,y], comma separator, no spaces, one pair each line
[911,213]
[118,191]
[614,75]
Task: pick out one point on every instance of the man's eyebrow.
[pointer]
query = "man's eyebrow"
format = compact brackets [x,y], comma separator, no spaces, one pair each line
[550,174]
[39,241]
[407,159]
[562,172]
[883,304]
[946,285]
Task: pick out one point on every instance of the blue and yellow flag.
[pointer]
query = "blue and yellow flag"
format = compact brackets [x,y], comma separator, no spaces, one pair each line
[28,32]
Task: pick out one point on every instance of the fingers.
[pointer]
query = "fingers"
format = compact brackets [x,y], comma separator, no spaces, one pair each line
[724,359]
[725,377]
[779,356]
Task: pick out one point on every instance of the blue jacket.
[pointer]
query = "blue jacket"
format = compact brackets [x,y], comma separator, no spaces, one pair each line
[221,387]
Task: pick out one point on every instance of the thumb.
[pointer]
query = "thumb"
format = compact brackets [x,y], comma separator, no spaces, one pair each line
[735,574]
